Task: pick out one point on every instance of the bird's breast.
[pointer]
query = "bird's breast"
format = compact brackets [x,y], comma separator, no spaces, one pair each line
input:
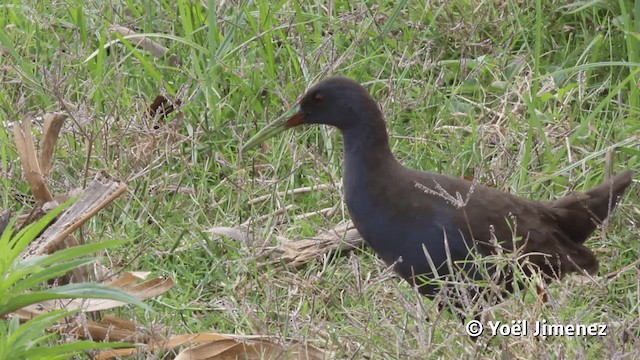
[398,222]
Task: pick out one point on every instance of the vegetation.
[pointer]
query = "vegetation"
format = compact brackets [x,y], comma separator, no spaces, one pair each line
[534,98]
[19,289]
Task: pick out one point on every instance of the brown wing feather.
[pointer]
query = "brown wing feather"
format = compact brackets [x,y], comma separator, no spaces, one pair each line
[557,229]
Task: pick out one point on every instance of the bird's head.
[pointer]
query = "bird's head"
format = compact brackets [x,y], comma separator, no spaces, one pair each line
[337,101]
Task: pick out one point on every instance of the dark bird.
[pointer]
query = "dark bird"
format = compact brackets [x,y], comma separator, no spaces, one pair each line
[427,225]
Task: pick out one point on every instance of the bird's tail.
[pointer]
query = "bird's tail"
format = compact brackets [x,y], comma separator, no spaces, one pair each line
[580,213]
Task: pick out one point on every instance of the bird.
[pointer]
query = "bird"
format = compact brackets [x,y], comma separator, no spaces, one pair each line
[432,228]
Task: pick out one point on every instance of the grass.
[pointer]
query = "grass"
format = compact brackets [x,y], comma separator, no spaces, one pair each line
[536,99]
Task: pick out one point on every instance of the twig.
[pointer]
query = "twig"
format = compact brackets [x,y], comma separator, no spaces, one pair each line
[290,192]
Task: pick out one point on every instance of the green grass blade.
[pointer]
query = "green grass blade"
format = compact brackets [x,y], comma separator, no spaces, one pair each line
[71,291]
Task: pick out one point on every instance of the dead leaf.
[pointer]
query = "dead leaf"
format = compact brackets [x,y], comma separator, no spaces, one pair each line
[52,125]
[144,42]
[129,283]
[227,346]
[101,192]
[27,152]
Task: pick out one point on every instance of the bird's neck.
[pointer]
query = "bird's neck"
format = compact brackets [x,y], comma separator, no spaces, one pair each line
[367,151]
[369,168]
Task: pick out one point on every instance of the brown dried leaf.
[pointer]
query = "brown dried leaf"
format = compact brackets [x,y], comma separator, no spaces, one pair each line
[161,107]
[342,237]
[101,192]
[227,346]
[113,328]
[129,283]
[145,43]
[52,124]
[27,152]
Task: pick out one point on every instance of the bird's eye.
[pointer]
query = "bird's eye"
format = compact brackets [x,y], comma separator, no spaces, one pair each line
[317,98]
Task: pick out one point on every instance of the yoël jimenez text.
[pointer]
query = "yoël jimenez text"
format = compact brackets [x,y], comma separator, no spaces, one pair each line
[542,328]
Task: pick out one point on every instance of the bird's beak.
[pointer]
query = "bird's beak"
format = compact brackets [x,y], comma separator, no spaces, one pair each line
[288,120]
